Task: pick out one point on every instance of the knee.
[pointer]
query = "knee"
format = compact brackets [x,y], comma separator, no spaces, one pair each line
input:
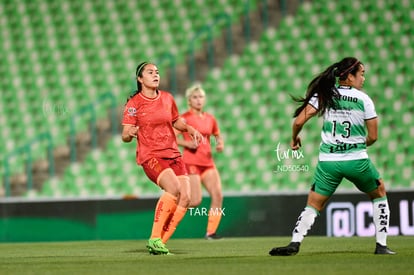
[184,190]
[217,196]
[185,199]
[379,192]
[173,190]
[381,188]
[195,201]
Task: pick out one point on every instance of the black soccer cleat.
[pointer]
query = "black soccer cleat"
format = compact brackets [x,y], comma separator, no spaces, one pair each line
[213,236]
[383,250]
[290,250]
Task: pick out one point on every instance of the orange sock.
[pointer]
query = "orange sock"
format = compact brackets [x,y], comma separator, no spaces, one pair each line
[165,206]
[168,221]
[213,222]
[169,229]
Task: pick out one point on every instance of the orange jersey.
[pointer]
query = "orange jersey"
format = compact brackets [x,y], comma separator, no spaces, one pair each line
[154,118]
[207,126]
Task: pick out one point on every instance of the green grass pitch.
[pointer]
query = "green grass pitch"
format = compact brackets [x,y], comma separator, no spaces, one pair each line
[318,255]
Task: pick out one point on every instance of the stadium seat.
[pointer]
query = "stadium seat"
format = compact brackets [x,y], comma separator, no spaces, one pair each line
[70,52]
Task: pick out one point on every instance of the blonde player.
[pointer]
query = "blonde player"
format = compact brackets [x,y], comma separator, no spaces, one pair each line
[199,160]
[149,117]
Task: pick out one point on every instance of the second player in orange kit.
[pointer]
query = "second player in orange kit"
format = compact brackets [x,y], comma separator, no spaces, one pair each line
[198,158]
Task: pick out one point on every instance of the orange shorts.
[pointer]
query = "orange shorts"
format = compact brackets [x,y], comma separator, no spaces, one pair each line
[194,169]
[154,167]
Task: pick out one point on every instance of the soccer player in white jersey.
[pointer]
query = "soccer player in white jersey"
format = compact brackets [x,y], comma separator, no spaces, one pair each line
[349,126]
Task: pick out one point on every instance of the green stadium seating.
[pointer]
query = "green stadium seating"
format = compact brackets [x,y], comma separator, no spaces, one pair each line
[64,54]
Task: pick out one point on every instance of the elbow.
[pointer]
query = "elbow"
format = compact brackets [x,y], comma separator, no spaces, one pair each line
[373,137]
[126,139]
[297,124]
[371,140]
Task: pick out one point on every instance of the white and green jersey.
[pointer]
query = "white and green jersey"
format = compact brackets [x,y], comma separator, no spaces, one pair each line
[343,131]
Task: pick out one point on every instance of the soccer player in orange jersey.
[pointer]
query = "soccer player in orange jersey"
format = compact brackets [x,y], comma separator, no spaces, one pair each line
[198,158]
[149,117]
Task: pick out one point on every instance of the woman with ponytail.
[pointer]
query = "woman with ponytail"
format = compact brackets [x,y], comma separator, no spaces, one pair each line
[350,125]
[149,117]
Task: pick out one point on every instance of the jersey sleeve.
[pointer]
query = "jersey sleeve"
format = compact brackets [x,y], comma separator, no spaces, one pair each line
[314,101]
[369,107]
[216,130]
[174,110]
[130,114]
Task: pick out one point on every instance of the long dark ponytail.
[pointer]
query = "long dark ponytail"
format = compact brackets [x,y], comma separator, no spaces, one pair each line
[324,85]
[138,73]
